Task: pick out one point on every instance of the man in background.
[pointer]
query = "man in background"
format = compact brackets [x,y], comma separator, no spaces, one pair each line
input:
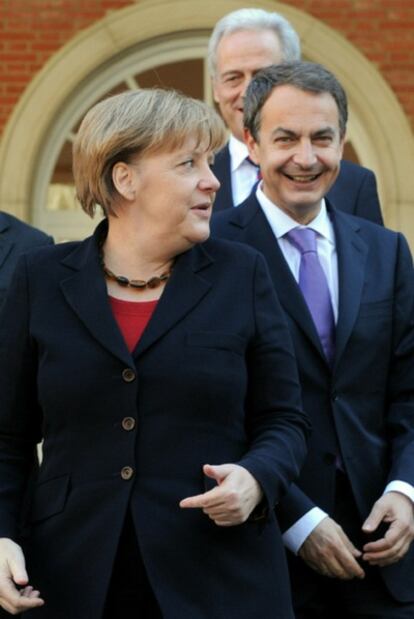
[241,43]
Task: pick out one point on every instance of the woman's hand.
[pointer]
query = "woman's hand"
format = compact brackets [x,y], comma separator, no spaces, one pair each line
[234,498]
[12,573]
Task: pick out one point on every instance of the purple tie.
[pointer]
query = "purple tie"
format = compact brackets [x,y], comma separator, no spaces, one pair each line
[314,287]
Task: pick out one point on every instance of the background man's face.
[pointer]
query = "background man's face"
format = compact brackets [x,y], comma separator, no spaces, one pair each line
[299,149]
[239,56]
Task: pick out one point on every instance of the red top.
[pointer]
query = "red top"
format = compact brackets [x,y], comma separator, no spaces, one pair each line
[132,318]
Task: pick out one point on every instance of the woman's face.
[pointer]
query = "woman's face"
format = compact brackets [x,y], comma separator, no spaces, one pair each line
[174,194]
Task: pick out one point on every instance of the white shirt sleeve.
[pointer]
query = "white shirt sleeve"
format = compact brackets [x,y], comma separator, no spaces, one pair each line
[294,537]
[401,486]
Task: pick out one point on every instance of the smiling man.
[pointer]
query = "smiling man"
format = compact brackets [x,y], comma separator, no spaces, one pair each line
[242,43]
[347,289]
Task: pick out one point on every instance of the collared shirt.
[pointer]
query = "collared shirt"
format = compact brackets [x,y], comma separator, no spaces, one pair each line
[243,174]
[281,224]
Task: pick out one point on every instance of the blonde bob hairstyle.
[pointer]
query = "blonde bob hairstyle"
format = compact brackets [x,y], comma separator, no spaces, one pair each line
[131,125]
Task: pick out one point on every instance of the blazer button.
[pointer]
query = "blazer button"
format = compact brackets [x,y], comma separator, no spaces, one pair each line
[127,472]
[128,423]
[128,375]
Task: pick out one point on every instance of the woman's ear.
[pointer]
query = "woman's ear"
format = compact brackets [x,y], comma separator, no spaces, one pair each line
[123,180]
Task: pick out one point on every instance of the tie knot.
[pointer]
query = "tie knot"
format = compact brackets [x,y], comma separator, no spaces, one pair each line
[304,239]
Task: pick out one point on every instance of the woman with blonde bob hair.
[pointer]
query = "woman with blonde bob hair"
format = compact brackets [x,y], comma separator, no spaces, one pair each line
[156,366]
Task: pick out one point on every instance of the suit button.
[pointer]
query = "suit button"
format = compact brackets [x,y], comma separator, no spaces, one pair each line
[127,472]
[128,423]
[128,375]
[329,458]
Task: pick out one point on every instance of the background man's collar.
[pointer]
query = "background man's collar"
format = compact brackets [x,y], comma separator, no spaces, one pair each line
[238,152]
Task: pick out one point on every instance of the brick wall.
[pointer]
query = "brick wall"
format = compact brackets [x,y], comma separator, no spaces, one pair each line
[32,30]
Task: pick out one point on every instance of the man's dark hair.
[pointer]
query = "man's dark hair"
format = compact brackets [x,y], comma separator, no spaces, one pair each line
[307,76]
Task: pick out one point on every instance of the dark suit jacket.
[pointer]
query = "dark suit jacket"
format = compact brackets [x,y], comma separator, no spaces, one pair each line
[354,191]
[212,380]
[367,399]
[16,237]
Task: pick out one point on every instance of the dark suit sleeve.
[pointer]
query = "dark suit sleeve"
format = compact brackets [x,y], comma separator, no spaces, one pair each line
[276,424]
[367,203]
[19,408]
[401,379]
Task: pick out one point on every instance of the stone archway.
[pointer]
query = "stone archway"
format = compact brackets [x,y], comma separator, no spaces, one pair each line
[379,130]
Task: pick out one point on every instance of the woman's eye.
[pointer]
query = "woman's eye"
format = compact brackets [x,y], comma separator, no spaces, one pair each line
[188,163]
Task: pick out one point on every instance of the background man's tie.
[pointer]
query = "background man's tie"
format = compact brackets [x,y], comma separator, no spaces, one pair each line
[259,174]
[314,287]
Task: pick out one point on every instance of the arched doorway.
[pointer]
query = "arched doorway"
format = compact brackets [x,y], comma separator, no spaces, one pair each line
[119,52]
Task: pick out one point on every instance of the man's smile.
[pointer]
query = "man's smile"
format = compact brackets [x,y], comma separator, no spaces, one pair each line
[302,178]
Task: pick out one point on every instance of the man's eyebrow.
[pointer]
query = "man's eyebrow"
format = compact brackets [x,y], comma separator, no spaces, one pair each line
[282,130]
[230,72]
[290,133]
[324,131]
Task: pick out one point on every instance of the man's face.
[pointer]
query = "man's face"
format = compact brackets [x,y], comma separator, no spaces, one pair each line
[239,56]
[299,149]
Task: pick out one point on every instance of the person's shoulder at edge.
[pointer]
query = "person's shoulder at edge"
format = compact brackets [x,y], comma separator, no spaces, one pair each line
[25,230]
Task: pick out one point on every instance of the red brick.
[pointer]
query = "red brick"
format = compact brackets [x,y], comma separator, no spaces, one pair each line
[397,26]
[381,29]
[21,56]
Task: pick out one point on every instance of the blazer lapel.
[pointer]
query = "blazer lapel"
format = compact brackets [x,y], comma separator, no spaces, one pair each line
[85,291]
[257,232]
[184,290]
[352,253]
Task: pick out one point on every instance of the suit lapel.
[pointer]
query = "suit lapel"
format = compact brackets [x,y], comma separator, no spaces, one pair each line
[6,243]
[257,232]
[85,291]
[221,169]
[184,290]
[352,253]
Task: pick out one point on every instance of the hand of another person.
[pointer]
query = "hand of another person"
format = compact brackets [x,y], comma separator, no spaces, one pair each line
[12,573]
[330,552]
[396,509]
[232,500]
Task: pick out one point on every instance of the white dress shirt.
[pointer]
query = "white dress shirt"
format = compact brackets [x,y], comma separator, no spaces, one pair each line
[243,174]
[281,224]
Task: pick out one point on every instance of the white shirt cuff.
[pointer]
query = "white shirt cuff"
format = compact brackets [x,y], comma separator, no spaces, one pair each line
[294,537]
[401,486]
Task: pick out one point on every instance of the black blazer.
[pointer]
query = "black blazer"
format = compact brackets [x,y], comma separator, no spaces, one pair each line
[212,380]
[16,237]
[367,400]
[354,191]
